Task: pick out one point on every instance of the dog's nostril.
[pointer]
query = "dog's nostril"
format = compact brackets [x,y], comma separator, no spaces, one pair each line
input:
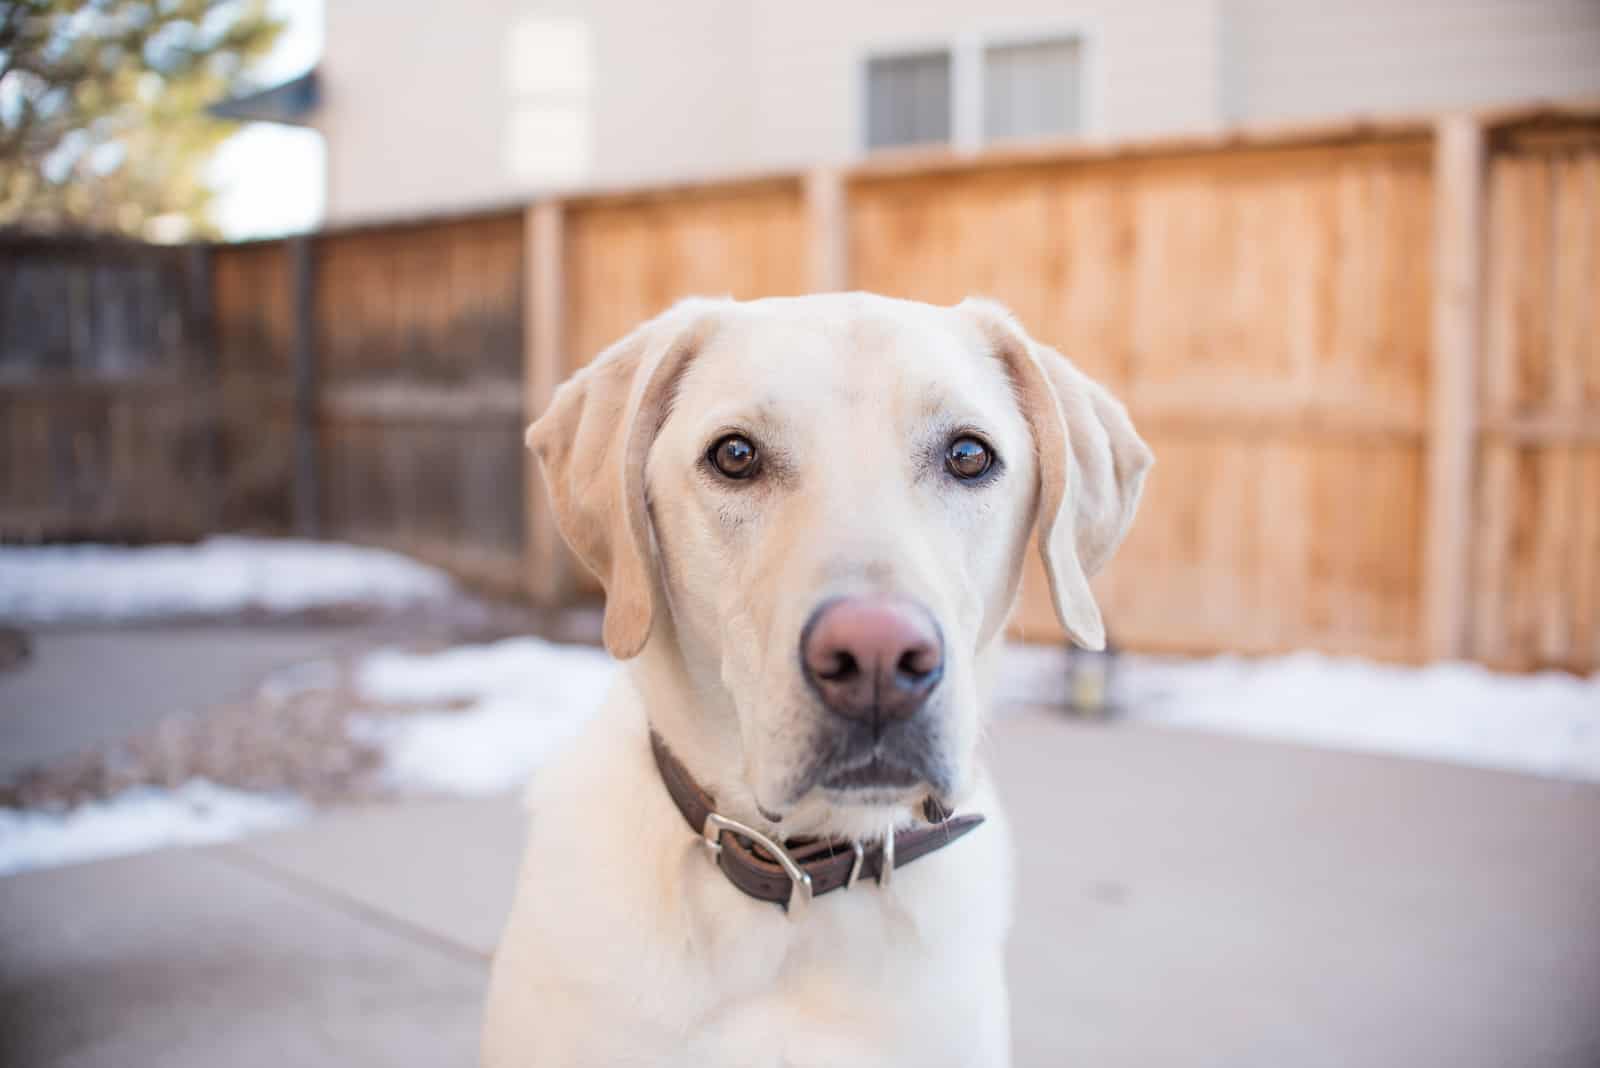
[844,667]
[917,663]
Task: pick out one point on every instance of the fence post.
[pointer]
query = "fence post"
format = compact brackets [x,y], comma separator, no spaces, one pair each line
[828,236]
[307,491]
[549,565]
[1459,201]
[204,363]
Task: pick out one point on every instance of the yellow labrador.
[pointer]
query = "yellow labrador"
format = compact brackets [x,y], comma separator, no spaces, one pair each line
[777,844]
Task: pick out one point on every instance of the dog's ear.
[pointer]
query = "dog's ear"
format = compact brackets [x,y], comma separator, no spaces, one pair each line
[1092,466]
[593,441]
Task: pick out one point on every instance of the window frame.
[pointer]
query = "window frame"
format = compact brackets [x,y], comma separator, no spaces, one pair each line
[967,50]
[864,92]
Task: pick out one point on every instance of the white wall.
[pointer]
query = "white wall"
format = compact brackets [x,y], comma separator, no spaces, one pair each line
[419,104]
[411,113]
[1301,59]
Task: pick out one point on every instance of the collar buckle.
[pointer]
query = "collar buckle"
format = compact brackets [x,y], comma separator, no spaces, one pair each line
[800,889]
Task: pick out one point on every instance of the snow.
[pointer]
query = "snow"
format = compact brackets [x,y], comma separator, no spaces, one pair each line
[222,575]
[485,717]
[136,821]
[1546,724]
[524,698]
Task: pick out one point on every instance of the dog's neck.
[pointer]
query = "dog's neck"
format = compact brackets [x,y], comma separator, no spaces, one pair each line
[700,724]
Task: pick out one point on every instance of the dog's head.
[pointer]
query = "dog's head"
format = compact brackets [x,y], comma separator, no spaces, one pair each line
[813,513]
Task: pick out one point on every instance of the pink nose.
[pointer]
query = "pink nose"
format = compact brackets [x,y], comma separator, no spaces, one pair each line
[873,659]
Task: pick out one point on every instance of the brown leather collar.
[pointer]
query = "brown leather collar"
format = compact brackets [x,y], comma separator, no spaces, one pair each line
[757,865]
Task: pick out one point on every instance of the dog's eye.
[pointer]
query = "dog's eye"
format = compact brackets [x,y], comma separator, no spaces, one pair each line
[967,457]
[734,456]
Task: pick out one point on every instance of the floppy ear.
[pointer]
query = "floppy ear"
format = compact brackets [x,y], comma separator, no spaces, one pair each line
[593,441]
[1092,466]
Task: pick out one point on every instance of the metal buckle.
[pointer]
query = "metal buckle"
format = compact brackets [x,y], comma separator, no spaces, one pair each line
[855,865]
[799,879]
[886,868]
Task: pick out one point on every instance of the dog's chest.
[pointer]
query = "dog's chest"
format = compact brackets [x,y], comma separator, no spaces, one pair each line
[873,976]
[644,953]
[844,993]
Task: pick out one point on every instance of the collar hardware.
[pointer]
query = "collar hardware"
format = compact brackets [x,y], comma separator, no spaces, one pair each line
[791,873]
[799,879]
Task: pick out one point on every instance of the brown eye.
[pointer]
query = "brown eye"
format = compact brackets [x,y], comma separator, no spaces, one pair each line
[734,456]
[967,457]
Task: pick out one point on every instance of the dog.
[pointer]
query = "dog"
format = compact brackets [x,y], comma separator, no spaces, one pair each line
[777,844]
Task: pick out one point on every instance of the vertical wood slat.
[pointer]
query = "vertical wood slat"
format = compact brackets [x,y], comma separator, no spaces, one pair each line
[551,577]
[828,231]
[1537,570]
[204,363]
[1459,162]
[307,491]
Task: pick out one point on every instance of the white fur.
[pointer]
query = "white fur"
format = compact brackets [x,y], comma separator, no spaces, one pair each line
[627,946]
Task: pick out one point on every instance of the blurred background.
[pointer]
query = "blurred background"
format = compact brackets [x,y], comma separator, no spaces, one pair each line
[282,281]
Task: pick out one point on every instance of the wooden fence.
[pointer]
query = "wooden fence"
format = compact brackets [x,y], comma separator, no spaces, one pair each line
[1366,356]
[1532,566]
[373,388]
[1264,312]
[107,391]
[255,323]
[603,264]
[364,385]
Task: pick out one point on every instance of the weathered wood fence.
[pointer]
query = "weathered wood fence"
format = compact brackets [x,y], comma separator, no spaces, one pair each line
[374,387]
[106,390]
[1367,357]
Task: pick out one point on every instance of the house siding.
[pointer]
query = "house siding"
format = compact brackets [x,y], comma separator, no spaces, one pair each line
[417,103]
[1300,59]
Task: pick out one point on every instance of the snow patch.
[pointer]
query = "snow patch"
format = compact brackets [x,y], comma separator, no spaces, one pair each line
[1546,724]
[524,697]
[521,699]
[136,821]
[218,576]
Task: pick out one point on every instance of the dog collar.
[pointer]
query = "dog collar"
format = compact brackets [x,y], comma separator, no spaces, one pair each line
[792,872]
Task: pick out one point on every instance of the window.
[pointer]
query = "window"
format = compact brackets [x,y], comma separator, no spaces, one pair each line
[976,91]
[549,75]
[908,99]
[1032,90]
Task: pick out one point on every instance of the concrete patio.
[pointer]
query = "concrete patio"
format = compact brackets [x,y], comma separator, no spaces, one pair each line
[56,701]
[1185,900]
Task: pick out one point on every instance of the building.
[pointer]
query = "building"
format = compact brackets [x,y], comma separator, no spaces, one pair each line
[429,107]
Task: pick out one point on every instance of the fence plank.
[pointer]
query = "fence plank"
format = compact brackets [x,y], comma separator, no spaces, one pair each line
[1452,441]
[307,492]
[1537,565]
[828,231]
[550,567]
